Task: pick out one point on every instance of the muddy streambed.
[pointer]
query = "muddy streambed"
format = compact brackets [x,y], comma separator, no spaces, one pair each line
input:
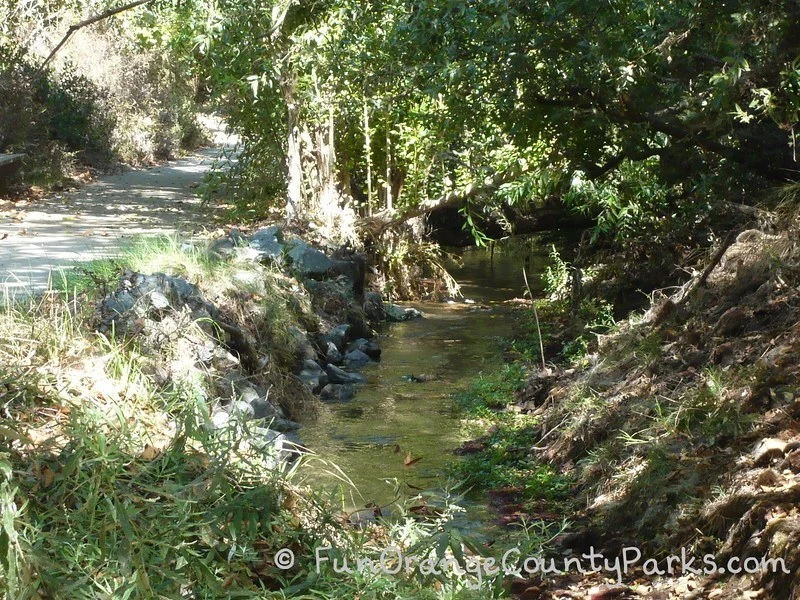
[395,414]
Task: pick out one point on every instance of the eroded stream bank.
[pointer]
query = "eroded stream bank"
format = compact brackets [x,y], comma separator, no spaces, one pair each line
[406,407]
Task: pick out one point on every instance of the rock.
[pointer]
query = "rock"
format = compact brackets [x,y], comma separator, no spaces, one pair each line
[337,375]
[284,425]
[142,303]
[353,269]
[339,335]
[373,306]
[604,592]
[309,261]
[242,410]
[312,366]
[235,386]
[357,344]
[264,409]
[399,314]
[766,450]
[366,346]
[373,350]
[332,354]
[337,392]
[220,419]
[313,376]
[224,361]
[277,445]
[303,349]
[227,245]
[266,242]
[356,358]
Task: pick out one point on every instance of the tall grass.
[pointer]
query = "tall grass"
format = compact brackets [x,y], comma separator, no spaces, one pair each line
[112,486]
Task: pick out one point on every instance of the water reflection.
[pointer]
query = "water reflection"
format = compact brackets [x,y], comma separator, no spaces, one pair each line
[406,406]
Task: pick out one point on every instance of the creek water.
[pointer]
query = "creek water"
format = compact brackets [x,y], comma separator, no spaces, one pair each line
[369,437]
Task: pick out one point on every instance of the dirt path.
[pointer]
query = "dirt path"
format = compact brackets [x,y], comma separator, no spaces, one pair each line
[97,220]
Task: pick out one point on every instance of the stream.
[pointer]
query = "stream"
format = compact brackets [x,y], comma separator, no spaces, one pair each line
[368,438]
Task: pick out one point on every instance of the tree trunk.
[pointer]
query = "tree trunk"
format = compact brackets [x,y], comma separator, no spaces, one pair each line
[294,159]
[389,203]
[368,154]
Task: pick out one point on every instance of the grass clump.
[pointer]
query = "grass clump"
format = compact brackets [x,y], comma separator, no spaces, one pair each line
[506,462]
[504,458]
[492,392]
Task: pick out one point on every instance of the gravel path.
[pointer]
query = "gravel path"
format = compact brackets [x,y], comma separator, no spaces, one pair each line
[97,220]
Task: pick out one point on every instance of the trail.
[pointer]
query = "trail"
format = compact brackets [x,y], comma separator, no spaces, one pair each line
[97,220]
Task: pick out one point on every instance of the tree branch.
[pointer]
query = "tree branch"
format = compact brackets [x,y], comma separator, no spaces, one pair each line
[625,112]
[385,220]
[90,21]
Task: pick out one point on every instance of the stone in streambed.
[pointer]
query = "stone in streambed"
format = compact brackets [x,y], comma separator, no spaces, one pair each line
[332,354]
[370,348]
[337,375]
[338,335]
[399,314]
[356,358]
[313,376]
[337,392]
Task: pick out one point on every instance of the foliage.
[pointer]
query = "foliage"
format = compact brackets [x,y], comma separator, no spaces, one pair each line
[504,459]
[119,91]
[640,115]
[493,390]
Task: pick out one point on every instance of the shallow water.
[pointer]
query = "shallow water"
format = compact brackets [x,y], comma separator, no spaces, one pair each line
[369,437]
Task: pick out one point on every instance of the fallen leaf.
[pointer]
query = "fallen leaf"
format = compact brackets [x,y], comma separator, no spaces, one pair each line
[410,462]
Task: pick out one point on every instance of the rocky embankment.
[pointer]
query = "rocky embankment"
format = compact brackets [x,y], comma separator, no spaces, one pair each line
[681,434]
[282,325]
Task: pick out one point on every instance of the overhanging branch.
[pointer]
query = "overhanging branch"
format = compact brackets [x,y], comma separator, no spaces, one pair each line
[384,220]
[90,21]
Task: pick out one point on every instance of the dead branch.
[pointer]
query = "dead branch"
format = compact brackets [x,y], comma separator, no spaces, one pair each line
[90,21]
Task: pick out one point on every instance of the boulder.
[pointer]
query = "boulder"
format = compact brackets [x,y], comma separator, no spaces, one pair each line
[353,269]
[264,409]
[308,261]
[399,314]
[227,246]
[278,446]
[220,419]
[266,242]
[303,349]
[332,354]
[373,306]
[241,410]
[283,425]
[356,358]
[337,375]
[337,392]
[141,302]
[370,348]
[339,335]
[313,376]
